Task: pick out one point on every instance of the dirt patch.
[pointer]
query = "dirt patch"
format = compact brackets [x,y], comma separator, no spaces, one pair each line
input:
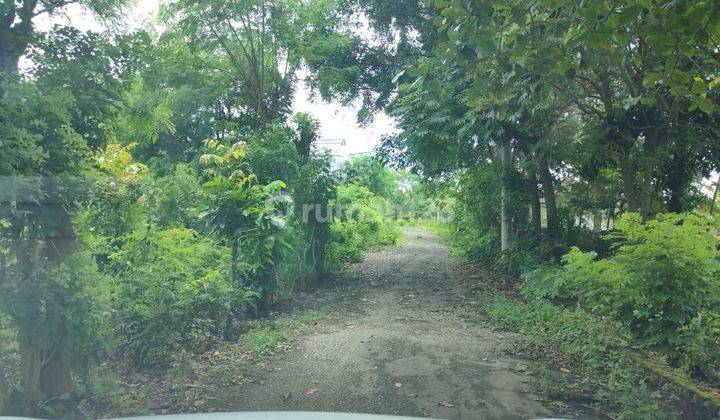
[403,346]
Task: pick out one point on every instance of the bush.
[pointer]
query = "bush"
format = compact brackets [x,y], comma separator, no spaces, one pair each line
[659,282]
[346,244]
[701,341]
[171,293]
[524,255]
[112,209]
[170,199]
[479,246]
[77,296]
[317,186]
[358,227]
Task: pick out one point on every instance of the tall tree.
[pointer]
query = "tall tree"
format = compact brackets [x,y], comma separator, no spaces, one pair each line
[17,24]
[49,130]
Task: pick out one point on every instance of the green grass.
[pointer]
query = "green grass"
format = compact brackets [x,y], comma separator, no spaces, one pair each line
[446,234]
[602,376]
[261,341]
[194,382]
[268,334]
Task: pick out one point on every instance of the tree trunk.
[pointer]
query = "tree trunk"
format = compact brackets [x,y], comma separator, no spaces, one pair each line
[597,221]
[677,182]
[31,355]
[715,197]
[234,264]
[553,221]
[9,67]
[506,158]
[9,62]
[44,375]
[675,202]
[628,180]
[46,368]
[31,358]
[647,187]
[4,393]
[547,182]
[580,218]
[535,210]
[56,374]
[12,47]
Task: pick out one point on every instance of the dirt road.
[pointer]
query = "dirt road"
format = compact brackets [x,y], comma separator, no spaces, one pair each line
[404,348]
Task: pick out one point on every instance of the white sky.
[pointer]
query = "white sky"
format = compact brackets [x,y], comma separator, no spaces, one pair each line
[336,121]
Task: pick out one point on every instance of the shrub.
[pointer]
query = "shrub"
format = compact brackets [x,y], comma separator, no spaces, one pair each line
[479,246]
[477,210]
[112,209]
[662,277]
[359,226]
[77,294]
[542,283]
[701,341]
[346,244]
[170,199]
[171,292]
[317,185]
[524,255]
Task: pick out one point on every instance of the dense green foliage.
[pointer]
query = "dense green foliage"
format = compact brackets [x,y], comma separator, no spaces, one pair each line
[157,189]
[372,174]
[661,283]
[588,347]
[575,136]
[172,291]
[360,225]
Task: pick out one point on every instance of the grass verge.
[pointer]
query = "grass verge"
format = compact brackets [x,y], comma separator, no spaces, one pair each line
[196,383]
[596,368]
[595,375]
[268,334]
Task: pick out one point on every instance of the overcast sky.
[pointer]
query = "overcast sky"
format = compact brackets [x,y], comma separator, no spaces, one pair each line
[337,121]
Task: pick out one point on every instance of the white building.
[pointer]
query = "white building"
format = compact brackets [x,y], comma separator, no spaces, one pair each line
[335,148]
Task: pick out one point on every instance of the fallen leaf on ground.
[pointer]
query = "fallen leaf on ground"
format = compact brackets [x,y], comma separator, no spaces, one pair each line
[446,404]
[564,370]
[311,391]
